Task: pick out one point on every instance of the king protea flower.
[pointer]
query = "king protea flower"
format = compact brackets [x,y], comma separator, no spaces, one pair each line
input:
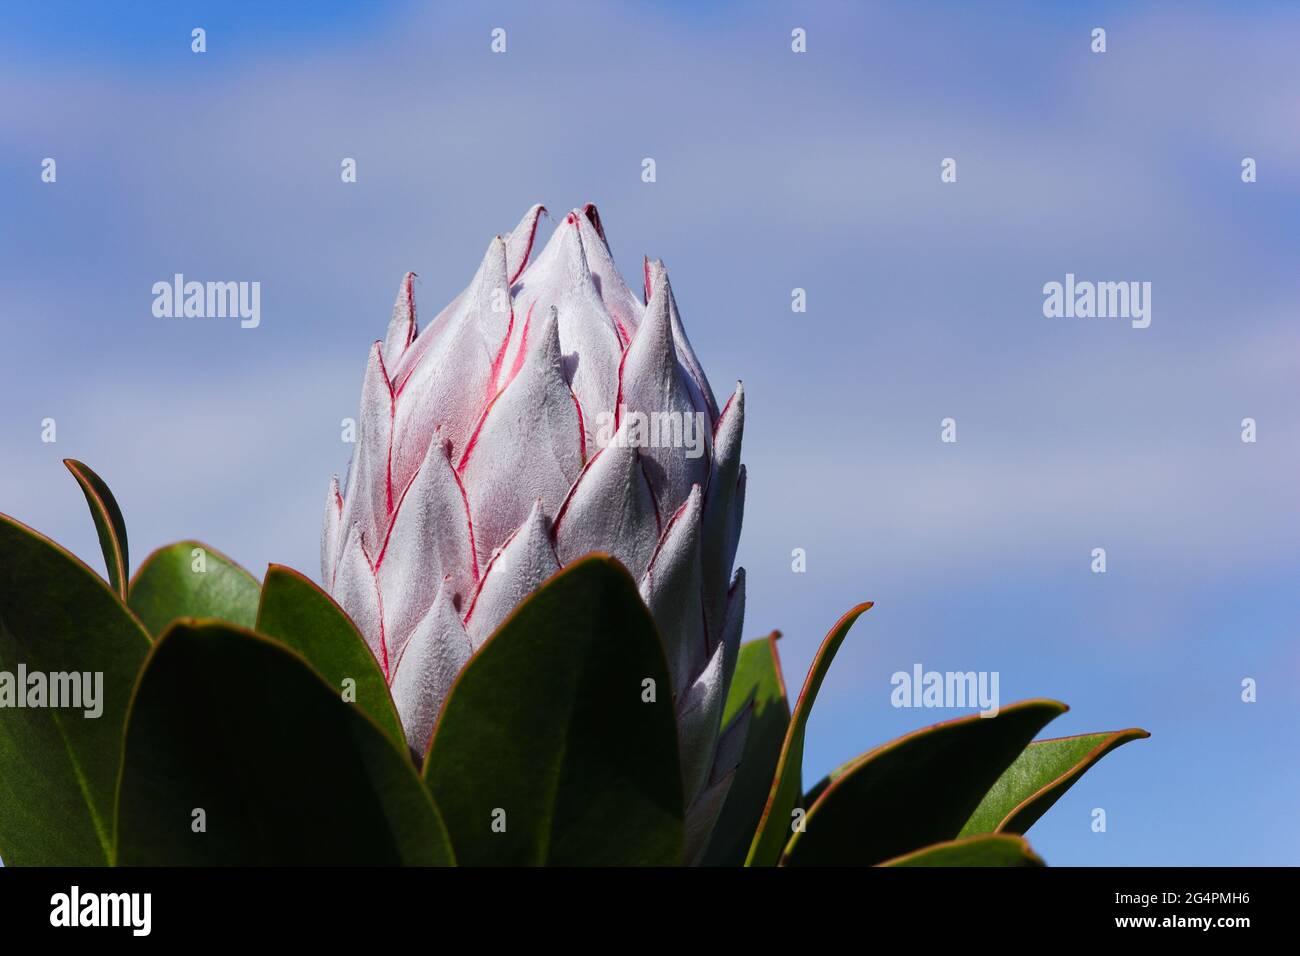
[544,414]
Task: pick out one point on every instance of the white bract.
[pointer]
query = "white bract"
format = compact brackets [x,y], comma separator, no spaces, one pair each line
[546,413]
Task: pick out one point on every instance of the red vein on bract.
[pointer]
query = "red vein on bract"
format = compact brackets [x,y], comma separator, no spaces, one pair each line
[618,394]
[338,501]
[654,500]
[568,497]
[379,601]
[723,414]
[469,521]
[410,310]
[392,420]
[582,428]
[392,522]
[528,251]
[664,534]
[487,573]
[514,371]
[473,440]
[501,355]
[518,362]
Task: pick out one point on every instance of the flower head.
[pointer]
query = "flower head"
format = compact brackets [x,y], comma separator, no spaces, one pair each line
[546,413]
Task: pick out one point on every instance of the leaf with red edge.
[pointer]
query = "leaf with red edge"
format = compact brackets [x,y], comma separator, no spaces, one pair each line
[109,524]
[774,826]
[986,849]
[190,579]
[916,790]
[1039,777]
[549,725]
[58,766]
[297,612]
[240,726]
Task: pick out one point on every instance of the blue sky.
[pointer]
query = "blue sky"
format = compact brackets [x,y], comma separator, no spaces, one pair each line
[775,171]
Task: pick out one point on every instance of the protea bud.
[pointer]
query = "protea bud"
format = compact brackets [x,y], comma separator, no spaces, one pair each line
[545,413]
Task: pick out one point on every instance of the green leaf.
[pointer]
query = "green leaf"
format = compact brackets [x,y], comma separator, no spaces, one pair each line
[916,790]
[294,610]
[817,789]
[989,849]
[775,823]
[108,524]
[1039,777]
[238,726]
[757,680]
[58,767]
[189,579]
[547,725]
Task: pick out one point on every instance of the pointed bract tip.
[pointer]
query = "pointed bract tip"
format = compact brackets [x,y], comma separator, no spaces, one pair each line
[406,293]
[658,316]
[593,216]
[656,281]
[572,246]
[520,241]
[537,522]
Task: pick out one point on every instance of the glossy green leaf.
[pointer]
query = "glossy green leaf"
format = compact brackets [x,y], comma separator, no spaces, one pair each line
[189,579]
[775,824]
[817,789]
[1039,777]
[58,767]
[237,753]
[987,849]
[916,790]
[547,735]
[758,681]
[109,524]
[294,610]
